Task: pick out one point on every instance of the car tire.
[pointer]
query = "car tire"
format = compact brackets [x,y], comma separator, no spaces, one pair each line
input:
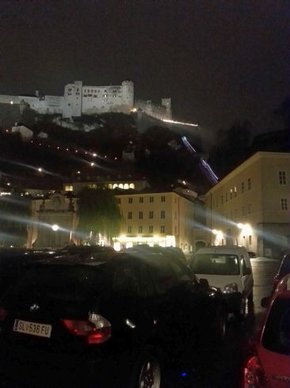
[220,325]
[147,372]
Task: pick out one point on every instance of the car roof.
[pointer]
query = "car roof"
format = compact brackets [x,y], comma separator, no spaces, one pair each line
[283,287]
[223,249]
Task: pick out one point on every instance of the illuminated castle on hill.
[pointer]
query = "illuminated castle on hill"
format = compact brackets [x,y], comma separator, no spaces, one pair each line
[79,99]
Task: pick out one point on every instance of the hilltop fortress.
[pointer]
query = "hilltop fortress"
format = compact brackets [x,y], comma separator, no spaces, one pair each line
[79,99]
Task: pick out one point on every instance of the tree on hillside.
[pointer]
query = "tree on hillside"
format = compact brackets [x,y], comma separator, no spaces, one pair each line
[283,112]
[14,216]
[99,215]
[232,148]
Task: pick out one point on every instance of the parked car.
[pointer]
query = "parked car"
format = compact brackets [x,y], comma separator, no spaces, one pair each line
[268,366]
[15,261]
[284,268]
[112,322]
[229,268]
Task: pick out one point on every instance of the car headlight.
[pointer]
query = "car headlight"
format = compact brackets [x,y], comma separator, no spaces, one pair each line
[230,288]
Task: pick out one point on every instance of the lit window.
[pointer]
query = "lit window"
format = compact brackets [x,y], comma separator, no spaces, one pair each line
[284,204]
[282,177]
[242,187]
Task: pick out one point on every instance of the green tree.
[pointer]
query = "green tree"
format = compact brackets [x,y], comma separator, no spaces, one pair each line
[99,215]
[14,217]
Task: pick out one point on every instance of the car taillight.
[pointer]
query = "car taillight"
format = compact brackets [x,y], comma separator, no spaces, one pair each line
[3,314]
[96,329]
[254,376]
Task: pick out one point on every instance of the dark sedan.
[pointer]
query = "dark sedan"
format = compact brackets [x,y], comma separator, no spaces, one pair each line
[115,322]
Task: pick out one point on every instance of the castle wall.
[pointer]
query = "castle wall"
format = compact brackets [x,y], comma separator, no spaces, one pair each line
[81,99]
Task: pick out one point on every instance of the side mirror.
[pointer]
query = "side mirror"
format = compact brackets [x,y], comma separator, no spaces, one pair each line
[265,301]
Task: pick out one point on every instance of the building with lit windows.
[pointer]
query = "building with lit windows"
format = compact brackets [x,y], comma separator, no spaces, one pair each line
[159,218]
[251,205]
[80,99]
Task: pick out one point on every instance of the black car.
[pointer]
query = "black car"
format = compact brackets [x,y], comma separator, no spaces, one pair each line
[15,261]
[115,322]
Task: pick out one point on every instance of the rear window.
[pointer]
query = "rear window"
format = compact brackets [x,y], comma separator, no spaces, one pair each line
[215,264]
[276,336]
[61,284]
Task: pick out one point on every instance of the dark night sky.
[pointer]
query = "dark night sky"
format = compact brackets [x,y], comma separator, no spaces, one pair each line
[220,61]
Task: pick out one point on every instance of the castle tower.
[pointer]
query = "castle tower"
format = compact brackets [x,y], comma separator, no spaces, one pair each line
[166,102]
[128,94]
[73,95]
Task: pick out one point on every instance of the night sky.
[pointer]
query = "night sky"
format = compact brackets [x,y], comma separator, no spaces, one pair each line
[219,61]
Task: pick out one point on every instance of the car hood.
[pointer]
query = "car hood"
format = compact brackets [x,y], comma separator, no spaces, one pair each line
[220,281]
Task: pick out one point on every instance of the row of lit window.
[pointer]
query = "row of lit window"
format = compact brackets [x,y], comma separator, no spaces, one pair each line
[282,177]
[248,210]
[141,229]
[100,96]
[141,199]
[150,215]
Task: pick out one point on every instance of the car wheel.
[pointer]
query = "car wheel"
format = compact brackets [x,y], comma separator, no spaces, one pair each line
[221,324]
[148,372]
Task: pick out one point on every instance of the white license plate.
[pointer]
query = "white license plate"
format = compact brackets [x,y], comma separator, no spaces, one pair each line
[32,328]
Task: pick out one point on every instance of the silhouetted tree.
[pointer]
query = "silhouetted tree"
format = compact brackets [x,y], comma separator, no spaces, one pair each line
[283,112]
[99,214]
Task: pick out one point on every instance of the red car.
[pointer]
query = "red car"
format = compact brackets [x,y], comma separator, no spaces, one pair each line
[269,366]
[284,268]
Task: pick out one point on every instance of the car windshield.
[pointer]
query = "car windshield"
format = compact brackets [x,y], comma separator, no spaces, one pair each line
[276,336]
[60,283]
[215,264]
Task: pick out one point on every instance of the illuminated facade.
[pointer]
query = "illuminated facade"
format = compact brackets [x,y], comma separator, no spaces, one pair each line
[54,221]
[251,205]
[79,99]
[162,218]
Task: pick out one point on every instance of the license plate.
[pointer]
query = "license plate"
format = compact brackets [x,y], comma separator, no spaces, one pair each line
[32,328]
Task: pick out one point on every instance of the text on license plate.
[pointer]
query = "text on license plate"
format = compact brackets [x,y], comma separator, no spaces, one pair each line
[32,328]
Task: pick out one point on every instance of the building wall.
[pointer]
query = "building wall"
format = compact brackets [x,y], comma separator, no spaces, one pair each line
[163,218]
[252,195]
[56,209]
[81,99]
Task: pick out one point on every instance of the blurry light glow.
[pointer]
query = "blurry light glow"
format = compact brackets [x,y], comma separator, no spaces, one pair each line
[179,122]
[55,227]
